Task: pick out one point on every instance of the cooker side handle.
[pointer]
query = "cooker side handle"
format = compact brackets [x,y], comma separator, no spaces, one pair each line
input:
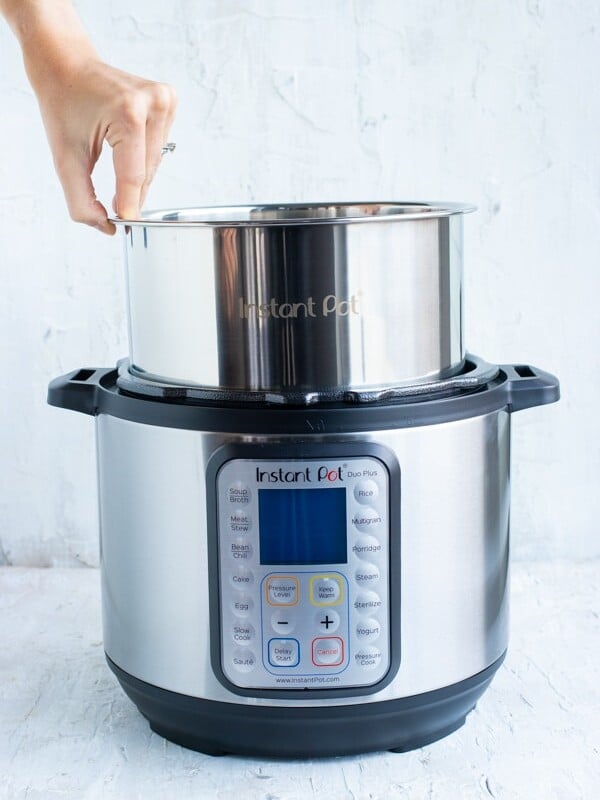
[528,386]
[78,390]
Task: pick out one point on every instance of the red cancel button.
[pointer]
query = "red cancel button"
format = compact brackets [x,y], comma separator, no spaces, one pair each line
[327,651]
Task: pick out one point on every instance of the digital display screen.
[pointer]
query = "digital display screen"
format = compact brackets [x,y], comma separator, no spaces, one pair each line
[302,526]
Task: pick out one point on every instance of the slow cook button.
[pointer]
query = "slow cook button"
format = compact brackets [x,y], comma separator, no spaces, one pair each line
[367,519]
[241,577]
[240,550]
[368,630]
[327,652]
[241,604]
[368,657]
[240,522]
[243,633]
[284,652]
[239,494]
[282,590]
[366,575]
[365,492]
[243,659]
[367,547]
[367,602]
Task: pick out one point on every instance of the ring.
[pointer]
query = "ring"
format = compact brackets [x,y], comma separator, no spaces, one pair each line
[168,148]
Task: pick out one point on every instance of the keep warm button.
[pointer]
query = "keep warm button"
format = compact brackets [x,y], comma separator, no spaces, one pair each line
[326,590]
[327,652]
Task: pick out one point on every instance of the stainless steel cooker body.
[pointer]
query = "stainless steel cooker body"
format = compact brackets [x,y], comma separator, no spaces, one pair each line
[297,298]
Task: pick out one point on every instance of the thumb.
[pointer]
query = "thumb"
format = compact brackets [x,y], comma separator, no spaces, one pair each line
[79,193]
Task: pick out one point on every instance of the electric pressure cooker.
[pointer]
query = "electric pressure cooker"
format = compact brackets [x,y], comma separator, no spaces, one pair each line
[303,479]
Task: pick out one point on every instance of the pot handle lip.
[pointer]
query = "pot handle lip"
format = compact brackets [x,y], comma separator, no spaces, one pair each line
[79,390]
[527,386]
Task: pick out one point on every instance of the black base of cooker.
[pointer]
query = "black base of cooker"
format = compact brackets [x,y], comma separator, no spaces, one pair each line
[287,732]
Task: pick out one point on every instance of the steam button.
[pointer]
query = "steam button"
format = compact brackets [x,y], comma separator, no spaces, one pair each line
[366,492]
[367,519]
[367,575]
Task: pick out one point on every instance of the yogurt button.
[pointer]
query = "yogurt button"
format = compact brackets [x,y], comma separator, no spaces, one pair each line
[368,630]
[366,492]
[367,519]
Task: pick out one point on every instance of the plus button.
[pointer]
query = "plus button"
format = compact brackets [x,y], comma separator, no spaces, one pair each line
[327,622]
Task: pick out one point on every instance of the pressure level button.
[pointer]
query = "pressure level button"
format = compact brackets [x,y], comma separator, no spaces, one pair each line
[365,492]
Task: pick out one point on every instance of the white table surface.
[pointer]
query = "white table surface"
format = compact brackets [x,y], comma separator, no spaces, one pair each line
[68,731]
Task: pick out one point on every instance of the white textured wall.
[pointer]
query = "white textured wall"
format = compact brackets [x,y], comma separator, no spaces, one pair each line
[494,103]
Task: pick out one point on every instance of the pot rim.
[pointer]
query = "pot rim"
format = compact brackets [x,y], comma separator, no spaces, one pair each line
[286,214]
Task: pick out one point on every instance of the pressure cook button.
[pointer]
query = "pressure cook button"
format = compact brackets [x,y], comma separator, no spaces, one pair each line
[241,550]
[243,659]
[326,590]
[368,657]
[367,602]
[283,621]
[366,575]
[368,630]
[239,494]
[243,633]
[240,522]
[367,547]
[367,519]
[284,652]
[366,491]
[327,652]
[282,590]
[241,577]
[327,621]
[241,604]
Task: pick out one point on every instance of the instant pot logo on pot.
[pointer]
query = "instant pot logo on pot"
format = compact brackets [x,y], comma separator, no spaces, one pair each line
[320,474]
[329,306]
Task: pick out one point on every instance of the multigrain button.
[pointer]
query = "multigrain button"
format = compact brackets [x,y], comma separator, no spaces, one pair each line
[240,550]
[367,602]
[326,590]
[282,590]
[367,546]
[243,659]
[366,492]
[284,652]
[241,604]
[368,657]
[366,575]
[327,652]
[241,577]
[239,494]
[243,633]
[367,519]
[240,522]
[368,630]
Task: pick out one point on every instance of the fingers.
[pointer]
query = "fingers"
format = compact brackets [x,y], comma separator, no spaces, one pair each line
[83,205]
[160,119]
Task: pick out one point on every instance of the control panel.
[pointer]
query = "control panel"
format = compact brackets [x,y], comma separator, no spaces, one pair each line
[303,554]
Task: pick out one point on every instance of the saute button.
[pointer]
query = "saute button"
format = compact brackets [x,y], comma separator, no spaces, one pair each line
[284,652]
[367,602]
[243,633]
[282,590]
[367,519]
[283,621]
[367,546]
[240,522]
[365,492]
[368,630]
[368,657]
[366,575]
[241,604]
[241,577]
[326,590]
[243,659]
[239,494]
[241,550]
[327,621]
[327,652]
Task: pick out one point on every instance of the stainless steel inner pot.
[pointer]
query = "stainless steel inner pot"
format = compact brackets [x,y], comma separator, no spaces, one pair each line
[302,298]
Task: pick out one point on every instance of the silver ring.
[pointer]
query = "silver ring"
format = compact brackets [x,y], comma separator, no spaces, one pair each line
[168,148]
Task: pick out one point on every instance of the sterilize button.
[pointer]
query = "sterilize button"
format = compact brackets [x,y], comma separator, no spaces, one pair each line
[368,630]
[366,575]
[327,652]
[241,550]
[327,621]
[241,577]
[243,633]
[326,590]
[368,657]
[283,621]
[284,652]
[367,546]
[240,522]
[239,494]
[366,491]
[282,590]
[367,519]
[241,604]
[367,602]
[243,659]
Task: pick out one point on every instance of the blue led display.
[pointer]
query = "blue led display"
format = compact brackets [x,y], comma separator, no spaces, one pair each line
[302,526]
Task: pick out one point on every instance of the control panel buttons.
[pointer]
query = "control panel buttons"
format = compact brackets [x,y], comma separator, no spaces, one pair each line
[368,630]
[241,604]
[283,621]
[368,657]
[240,550]
[367,602]
[241,577]
[240,522]
[327,652]
[282,590]
[367,547]
[367,519]
[326,590]
[284,652]
[243,659]
[327,621]
[243,633]
[239,494]
[367,575]
[365,492]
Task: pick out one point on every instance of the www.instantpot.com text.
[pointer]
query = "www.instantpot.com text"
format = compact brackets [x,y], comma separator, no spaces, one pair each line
[330,305]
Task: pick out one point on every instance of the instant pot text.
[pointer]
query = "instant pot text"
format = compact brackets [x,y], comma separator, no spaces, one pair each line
[330,305]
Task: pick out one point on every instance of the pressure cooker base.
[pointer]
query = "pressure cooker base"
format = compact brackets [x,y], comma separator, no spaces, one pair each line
[218,728]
